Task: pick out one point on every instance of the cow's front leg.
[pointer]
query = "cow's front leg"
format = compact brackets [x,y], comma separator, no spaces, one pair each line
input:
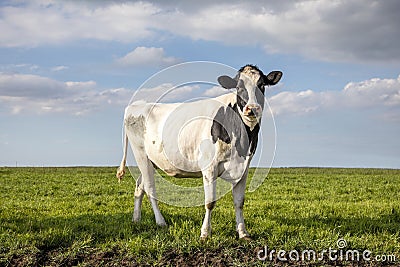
[238,200]
[210,200]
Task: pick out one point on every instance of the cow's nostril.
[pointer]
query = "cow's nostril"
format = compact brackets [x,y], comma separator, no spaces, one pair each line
[252,110]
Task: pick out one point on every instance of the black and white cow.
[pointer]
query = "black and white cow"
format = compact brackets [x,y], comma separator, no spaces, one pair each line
[209,138]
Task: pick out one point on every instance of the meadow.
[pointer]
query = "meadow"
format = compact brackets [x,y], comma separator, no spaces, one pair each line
[82,216]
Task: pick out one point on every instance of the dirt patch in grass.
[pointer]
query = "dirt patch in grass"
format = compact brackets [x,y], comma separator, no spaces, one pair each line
[219,257]
[238,256]
[89,257]
[119,258]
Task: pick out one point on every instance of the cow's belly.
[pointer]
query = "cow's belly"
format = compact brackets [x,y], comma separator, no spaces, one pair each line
[171,164]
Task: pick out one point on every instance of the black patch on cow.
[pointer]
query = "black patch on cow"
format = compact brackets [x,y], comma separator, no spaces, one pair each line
[217,130]
[253,67]
[242,96]
[227,123]
[261,85]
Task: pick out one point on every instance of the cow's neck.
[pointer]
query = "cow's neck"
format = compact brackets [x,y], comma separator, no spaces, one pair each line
[252,129]
[228,123]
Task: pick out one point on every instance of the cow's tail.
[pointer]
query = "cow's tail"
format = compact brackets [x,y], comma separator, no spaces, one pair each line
[121,168]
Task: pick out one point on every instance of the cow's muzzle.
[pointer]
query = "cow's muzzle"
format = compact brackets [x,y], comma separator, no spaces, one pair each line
[252,111]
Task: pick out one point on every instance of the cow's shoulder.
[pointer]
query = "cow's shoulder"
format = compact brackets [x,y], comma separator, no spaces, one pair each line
[228,125]
[218,130]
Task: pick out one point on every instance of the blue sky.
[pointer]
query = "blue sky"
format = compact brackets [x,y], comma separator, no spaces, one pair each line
[68,69]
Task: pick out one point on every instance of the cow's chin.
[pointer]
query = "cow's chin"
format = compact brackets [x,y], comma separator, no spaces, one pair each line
[251,121]
[250,118]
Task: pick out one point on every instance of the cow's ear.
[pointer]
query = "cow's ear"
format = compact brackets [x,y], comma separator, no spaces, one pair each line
[227,82]
[272,78]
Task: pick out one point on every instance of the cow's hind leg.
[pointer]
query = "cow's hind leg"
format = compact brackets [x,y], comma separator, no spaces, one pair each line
[147,170]
[139,193]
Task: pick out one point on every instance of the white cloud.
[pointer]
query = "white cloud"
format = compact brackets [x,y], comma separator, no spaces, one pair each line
[59,68]
[35,94]
[147,56]
[33,23]
[20,93]
[323,29]
[377,93]
[19,66]
[296,102]
[215,91]
[373,92]
[28,85]
[81,86]
[362,30]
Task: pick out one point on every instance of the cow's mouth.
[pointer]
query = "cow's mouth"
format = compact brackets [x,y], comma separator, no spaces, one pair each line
[250,118]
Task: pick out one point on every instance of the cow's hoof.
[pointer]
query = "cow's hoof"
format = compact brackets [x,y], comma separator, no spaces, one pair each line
[136,220]
[246,238]
[203,238]
[162,224]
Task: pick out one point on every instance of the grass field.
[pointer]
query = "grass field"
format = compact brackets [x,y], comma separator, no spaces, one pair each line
[82,216]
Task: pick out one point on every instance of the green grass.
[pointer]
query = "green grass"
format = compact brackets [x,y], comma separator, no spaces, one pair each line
[82,216]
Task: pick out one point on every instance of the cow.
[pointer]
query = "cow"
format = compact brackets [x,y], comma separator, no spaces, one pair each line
[208,138]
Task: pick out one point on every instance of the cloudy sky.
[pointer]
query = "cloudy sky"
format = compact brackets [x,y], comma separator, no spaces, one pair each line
[68,69]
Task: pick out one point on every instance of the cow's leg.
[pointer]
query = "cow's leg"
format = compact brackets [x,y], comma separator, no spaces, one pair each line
[147,170]
[238,191]
[210,183]
[139,193]
[150,188]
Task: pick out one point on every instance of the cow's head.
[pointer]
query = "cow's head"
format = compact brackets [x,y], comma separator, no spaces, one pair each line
[250,83]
